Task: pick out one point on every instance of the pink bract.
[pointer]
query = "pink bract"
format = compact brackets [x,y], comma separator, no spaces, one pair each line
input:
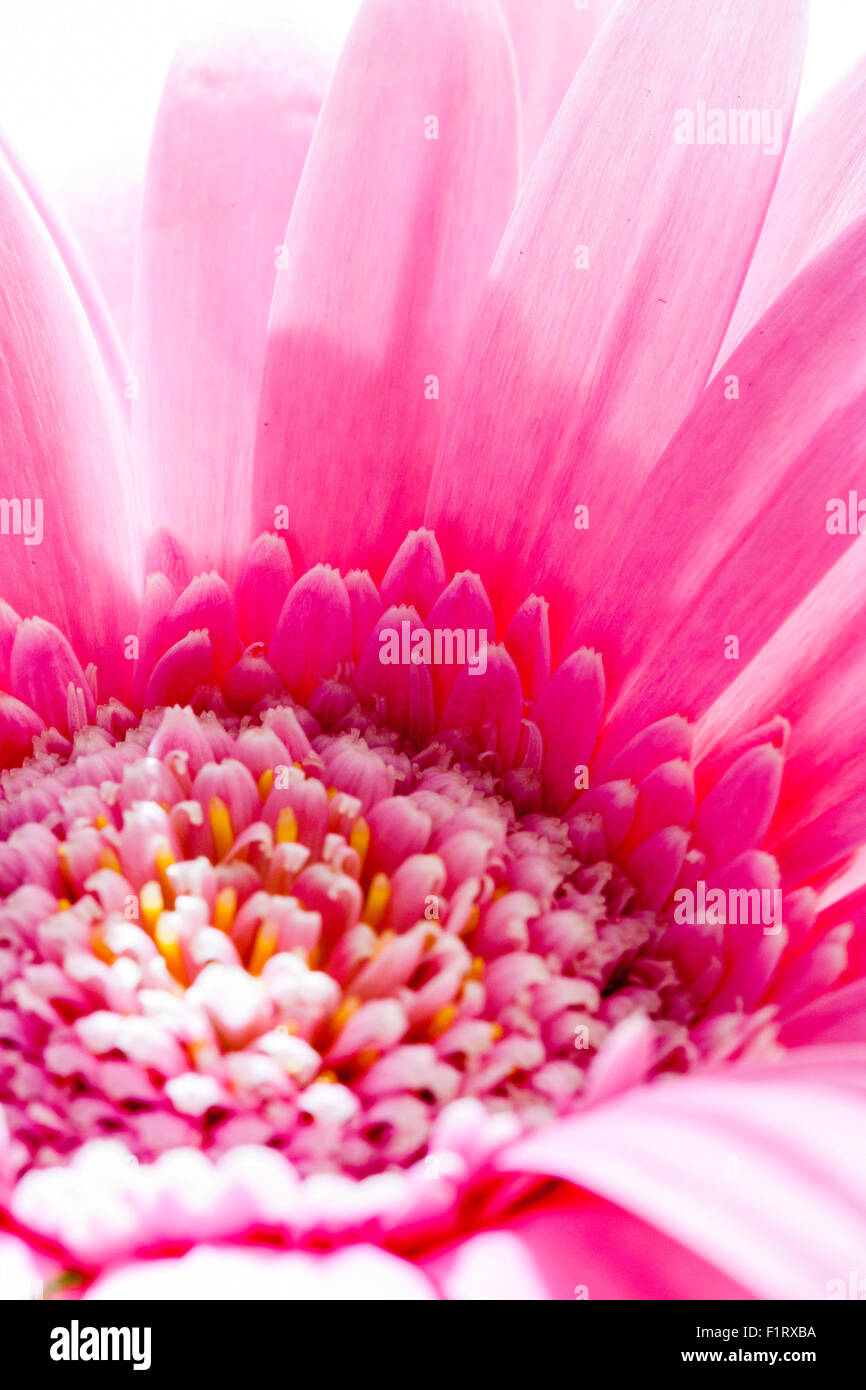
[331,974]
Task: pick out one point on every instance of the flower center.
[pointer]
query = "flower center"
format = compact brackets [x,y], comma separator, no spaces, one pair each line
[314,916]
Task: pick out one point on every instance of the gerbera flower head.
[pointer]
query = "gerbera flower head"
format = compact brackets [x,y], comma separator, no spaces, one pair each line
[443,870]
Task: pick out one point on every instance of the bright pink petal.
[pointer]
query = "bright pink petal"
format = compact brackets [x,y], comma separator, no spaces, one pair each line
[410,179]
[575,1249]
[813,672]
[590,348]
[358,1273]
[551,40]
[64,465]
[231,137]
[821,189]
[739,1170]
[742,490]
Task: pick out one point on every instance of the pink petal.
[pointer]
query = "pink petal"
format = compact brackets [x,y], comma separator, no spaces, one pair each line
[575,1248]
[551,40]
[19,1271]
[738,1170]
[812,672]
[386,250]
[821,189]
[742,490]
[236,119]
[562,403]
[63,451]
[569,715]
[358,1273]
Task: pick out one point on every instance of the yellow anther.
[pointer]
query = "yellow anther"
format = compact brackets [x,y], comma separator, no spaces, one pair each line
[265,782]
[152,904]
[100,950]
[101,822]
[332,792]
[168,945]
[430,941]
[63,904]
[109,860]
[476,969]
[264,946]
[441,1021]
[472,920]
[329,1076]
[224,908]
[500,892]
[496,1032]
[359,839]
[221,826]
[314,957]
[350,1005]
[163,860]
[378,897]
[366,1058]
[287,826]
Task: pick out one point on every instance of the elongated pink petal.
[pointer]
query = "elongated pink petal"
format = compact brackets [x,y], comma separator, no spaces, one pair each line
[812,672]
[360,1272]
[386,251]
[720,1164]
[551,40]
[561,403]
[231,137]
[575,1249]
[670,601]
[821,189]
[69,552]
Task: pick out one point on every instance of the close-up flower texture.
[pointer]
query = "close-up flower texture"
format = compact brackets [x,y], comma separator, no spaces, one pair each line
[432,699]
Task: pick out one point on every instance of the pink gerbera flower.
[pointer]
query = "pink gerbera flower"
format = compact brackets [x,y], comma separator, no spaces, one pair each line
[443,881]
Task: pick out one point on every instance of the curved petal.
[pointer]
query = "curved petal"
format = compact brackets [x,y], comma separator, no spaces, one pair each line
[821,190]
[741,491]
[576,1247]
[68,550]
[551,40]
[359,1273]
[79,272]
[411,176]
[812,671]
[737,1169]
[607,301]
[231,137]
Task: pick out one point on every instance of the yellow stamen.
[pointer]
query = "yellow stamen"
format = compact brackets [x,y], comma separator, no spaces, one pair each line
[350,1005]
[100,950]
[471,921]
[332,792]
[366,1058]
[378,897]
[221,826]
[108,859]
[329,1076]
[264,946]
[152,904]
[224,909]
[101,822]
[63,904]
[168,945]
[314,957]
[163,860]
[266,781]
[441,1021]
[287,826]
[476,969]
[359,839]
[496,1032]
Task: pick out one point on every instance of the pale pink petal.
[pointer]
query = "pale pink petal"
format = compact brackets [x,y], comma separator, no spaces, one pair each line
[551,40]
[821,189]
[742,490]
[580,1249]
[79,271]
[562,404]
[231,137]
[359,1273]
[410,179]
[720,1164]
[64,464]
